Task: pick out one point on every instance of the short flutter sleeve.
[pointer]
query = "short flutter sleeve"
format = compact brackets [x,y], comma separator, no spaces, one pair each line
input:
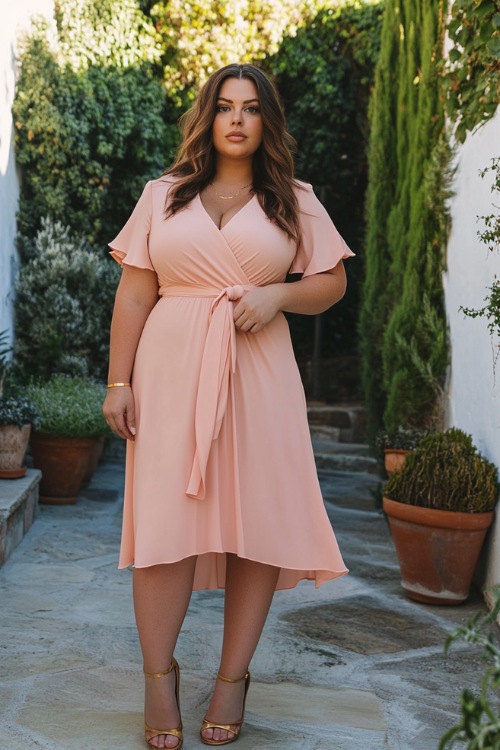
[131,245]
[321,246]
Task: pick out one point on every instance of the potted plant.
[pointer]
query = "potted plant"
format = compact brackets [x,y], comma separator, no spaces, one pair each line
[71,423]
[395,446]
[439,506]
[17,415]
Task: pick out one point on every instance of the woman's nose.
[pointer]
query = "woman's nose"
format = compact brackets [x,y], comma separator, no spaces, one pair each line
[237,117]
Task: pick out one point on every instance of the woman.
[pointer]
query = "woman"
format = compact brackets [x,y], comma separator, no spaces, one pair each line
[221,488]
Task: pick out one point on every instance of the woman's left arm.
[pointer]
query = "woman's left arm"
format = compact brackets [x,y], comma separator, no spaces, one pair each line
[309,296]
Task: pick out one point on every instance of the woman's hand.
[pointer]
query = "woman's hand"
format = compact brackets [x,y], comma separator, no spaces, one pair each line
[257,307]
[119,411]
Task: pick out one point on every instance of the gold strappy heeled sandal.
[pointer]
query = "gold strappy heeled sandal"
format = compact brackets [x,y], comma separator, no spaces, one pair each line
[235,728]
[149,731]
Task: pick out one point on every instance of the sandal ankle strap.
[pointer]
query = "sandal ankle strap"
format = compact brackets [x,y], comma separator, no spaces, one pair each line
[155,675]
[227,679]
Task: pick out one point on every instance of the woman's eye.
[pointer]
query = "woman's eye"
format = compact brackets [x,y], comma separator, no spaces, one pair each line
[222,108]
[253,110]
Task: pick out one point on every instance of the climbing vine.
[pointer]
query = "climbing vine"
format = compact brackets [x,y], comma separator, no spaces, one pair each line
[490,236]
[471,73]
[471,85]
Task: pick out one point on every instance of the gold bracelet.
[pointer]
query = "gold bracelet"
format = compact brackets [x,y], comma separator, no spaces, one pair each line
[116,385]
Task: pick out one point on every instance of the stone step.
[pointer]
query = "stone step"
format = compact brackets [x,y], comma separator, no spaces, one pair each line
[18,508]
[325,433]
[350,419]
[346,462]
[322,443]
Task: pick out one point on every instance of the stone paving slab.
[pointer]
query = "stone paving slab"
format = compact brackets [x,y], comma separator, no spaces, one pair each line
[351,665]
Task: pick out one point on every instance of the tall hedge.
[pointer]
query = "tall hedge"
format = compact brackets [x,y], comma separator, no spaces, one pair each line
[325,75]
[403,335]
[90,125]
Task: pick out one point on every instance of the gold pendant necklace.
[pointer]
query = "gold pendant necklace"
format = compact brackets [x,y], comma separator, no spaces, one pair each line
[228,197]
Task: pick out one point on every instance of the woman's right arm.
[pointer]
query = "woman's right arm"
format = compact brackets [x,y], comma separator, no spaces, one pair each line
[136,296]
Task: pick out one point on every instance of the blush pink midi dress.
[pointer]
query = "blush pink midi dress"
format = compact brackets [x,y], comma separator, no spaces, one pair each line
[222,459]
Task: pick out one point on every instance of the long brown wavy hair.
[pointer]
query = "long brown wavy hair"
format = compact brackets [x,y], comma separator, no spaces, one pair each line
[273,169]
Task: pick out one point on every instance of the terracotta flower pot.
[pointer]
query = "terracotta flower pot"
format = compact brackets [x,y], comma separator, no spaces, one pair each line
[63,462]
[437,550]
[394,459]
[13,444]
[94,458]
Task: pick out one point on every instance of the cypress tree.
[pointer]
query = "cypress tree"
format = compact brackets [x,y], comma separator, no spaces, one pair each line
[403,323]
[382,167]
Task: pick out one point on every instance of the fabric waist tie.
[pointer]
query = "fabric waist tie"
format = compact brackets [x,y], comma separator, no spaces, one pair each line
[218,361]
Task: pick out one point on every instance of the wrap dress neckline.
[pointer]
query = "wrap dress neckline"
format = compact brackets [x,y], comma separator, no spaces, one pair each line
[221,228]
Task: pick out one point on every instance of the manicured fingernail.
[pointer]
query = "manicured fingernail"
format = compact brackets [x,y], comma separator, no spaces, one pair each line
[132,430]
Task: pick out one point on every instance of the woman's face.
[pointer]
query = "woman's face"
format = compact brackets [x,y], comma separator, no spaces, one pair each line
[237,128]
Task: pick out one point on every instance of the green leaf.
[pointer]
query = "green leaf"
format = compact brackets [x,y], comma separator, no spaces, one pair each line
[486,7]
[493,47]
[454,54]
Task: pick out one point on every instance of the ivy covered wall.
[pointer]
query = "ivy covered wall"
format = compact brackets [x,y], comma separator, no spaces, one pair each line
[403,335]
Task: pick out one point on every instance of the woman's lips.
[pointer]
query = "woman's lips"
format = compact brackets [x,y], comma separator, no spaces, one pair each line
[236,137]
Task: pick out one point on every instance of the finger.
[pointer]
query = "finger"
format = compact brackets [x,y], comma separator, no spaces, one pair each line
[130,420]
[121,429]
[247,326]
[239,311]
[243,323]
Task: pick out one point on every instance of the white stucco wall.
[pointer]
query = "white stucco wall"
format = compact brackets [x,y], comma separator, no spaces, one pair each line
[473,398]
[14,19]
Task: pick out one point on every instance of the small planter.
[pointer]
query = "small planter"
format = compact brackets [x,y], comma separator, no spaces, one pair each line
[13,444]
[437,550]
[394,459]
[63,462]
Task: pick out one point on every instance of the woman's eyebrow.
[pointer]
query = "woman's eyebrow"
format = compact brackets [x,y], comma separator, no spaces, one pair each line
[230,101]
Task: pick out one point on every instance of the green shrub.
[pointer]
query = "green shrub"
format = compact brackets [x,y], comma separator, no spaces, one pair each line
[325,74]
[446,472]
[106,32]
[87,140]
[63,307]
[69,407]
[17,412]
[403,439]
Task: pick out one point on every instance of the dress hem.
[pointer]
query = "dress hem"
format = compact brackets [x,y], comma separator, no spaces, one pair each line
[330,574]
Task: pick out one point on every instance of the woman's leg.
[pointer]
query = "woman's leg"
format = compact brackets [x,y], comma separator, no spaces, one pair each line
[249,592]
[161,598]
